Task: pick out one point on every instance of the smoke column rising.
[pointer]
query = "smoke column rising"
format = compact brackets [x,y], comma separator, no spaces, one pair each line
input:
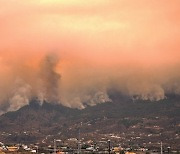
[49,79]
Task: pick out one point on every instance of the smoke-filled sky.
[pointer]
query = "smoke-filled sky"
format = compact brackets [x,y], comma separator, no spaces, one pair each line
[73,51]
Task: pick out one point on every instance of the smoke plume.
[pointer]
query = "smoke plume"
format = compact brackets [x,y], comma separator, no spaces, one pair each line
[49,79]
[21,94]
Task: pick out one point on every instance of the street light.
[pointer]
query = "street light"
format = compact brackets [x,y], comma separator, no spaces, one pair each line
[168,150]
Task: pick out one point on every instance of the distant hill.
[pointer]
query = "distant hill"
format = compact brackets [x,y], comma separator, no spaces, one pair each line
[33,122]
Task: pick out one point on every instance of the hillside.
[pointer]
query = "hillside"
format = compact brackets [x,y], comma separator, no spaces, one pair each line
[33,123]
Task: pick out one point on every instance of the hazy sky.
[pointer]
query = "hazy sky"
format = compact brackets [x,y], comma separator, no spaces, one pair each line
[73,51]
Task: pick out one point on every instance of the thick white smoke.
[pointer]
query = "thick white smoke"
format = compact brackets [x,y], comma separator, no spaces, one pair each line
[81,86]
[21,94]
[86,99]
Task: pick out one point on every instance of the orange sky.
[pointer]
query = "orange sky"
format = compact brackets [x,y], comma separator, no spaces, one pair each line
[135,30]
[101,40]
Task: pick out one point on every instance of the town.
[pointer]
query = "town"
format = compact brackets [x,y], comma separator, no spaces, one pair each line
[94,143]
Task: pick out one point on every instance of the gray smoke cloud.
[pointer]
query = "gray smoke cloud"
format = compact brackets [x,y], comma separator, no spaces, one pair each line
[79,86]
[150,92]
[21,94]
[42,84]
[80,100]
[49,79]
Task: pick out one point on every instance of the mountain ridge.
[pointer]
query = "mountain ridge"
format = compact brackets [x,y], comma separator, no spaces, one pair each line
[116,116]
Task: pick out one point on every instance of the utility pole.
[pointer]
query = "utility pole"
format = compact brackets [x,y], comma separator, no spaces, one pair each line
[79,142]
[161,148]
[109,146]
[54,146]
[79,139]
